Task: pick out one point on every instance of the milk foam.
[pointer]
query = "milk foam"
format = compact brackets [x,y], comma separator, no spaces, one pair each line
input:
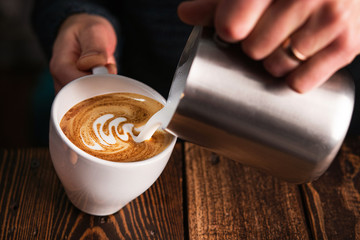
[154,123]
[162,118]
[159,120]
[113,126]
[108,126]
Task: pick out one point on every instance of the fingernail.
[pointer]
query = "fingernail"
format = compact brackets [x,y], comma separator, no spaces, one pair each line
[112,68]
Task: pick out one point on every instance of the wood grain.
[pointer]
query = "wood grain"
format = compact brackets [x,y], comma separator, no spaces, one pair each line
[229,201]
[333,201]
[33,204]
[203,197]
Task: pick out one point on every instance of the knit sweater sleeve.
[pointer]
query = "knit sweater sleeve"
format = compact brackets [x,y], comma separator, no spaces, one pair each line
[48,15]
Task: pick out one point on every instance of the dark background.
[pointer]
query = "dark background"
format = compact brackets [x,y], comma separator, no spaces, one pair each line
[22,66]
[25,93]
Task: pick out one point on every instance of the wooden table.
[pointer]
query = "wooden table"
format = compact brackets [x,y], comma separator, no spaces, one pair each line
[199,196]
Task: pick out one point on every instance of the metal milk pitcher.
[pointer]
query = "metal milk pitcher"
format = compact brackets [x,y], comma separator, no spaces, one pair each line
[226,102]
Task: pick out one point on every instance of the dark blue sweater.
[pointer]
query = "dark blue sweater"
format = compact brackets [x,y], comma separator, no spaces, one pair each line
[151,37]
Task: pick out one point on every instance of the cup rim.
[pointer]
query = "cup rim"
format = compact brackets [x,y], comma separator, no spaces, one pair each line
[90,157]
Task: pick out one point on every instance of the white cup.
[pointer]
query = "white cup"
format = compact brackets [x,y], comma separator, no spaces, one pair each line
[96,186]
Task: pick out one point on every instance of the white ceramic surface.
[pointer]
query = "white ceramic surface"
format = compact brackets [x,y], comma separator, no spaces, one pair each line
[93,185]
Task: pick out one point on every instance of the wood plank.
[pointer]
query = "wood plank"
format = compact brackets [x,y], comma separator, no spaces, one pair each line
[229,201]
[33,204]
[333,201]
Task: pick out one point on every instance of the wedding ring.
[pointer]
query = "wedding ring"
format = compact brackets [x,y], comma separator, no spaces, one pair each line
[292,52]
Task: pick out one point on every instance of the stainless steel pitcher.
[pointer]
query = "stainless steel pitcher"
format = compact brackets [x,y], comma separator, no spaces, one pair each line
[226,102]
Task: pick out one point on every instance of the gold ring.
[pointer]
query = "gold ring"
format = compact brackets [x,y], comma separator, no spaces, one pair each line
[292,52]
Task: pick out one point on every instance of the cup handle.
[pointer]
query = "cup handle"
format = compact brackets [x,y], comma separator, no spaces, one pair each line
[100,70]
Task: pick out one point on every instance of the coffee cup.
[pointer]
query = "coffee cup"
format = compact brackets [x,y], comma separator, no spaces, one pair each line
[96,186]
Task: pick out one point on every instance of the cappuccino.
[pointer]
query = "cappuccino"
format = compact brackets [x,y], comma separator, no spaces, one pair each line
[105,126]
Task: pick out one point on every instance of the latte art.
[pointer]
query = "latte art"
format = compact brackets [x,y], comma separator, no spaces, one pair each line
[105,126]
[107,139]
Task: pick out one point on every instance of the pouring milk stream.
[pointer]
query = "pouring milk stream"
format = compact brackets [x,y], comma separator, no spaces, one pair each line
[162,118]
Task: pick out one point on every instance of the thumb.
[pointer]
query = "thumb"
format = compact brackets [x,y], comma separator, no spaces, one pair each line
[97,43]
[91,59]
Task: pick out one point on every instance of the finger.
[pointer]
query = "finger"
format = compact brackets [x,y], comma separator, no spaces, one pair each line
[321,29]
[64,77]
[97,44]
[57,86]
[88,61]
[61,80]
[197,12]
[279,63]
[321,66]
[111,65]
[64,72]
[63,61]
[234,19]
[276,24]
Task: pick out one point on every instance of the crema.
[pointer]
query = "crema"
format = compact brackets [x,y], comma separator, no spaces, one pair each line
[105,125]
